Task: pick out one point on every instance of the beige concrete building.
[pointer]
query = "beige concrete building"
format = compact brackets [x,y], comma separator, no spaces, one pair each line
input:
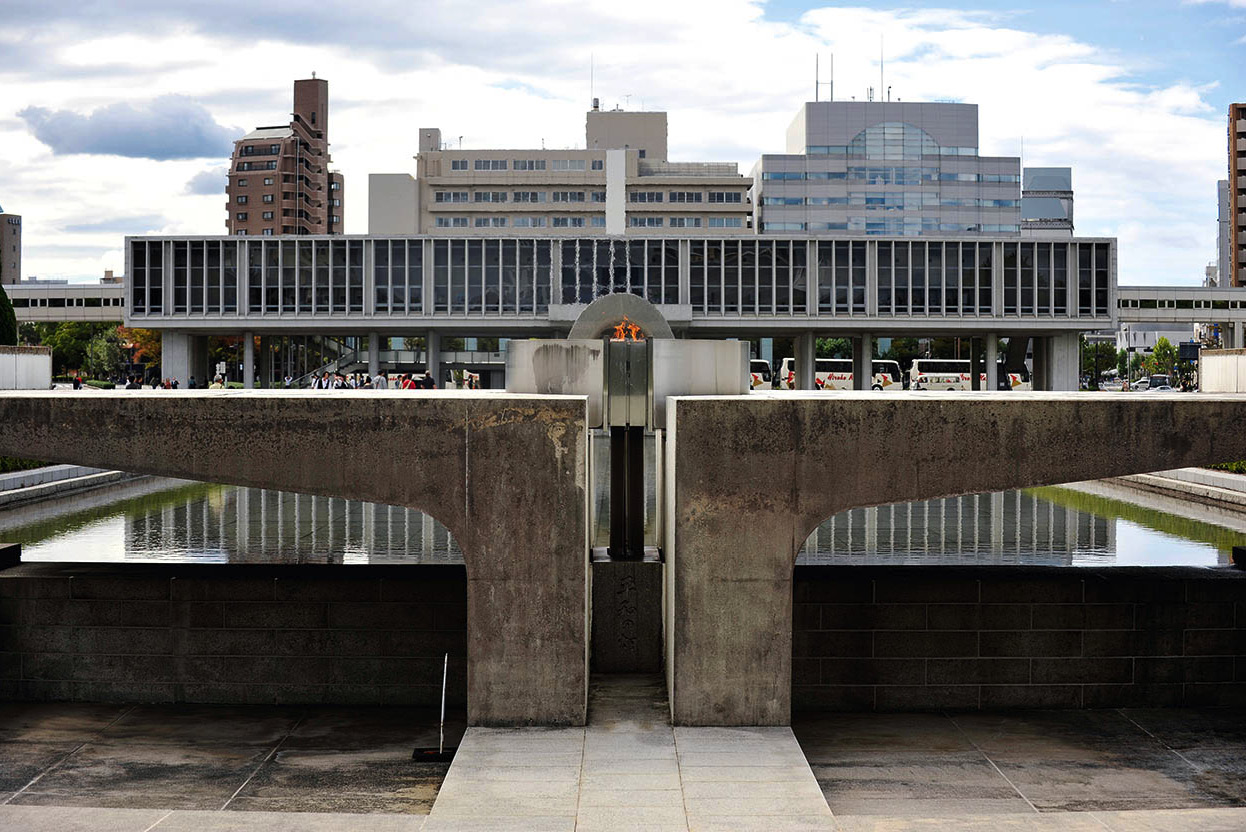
[619,183]
[279,177]
[1237,197]
[10,248]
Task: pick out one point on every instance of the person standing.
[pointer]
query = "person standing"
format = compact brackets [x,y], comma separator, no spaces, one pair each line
[380,382]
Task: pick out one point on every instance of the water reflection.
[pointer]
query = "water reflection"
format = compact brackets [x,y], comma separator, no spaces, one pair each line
[170,520]
[218,523]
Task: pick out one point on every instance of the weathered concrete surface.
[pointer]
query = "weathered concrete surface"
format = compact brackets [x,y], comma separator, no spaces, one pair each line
[506,474]
[753,476]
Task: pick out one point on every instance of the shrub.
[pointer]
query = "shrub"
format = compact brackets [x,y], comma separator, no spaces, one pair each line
[100,385]
[8,464]
[1231,467]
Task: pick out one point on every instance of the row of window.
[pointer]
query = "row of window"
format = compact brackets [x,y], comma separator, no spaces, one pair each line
[526,164]
[898,227]
[869,148]
[891,175]
[597,221]
[676,197]
[272,165]
[727,276]
[259,150]
[61,303]
[891,199]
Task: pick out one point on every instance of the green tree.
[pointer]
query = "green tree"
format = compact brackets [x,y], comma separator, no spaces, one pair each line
[104,355]
[1122,363]
[68,340]
[903,350]
[833,348]
[8,321]
[1099,356]
[1164,355]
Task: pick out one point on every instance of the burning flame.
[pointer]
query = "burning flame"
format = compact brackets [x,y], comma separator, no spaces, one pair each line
[625,329]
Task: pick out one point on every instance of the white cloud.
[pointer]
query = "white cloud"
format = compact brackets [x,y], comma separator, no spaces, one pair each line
[509,74]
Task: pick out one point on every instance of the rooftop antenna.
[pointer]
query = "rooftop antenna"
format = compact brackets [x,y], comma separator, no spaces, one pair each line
[313,75]
[592,90]
[817,83]
[627,101]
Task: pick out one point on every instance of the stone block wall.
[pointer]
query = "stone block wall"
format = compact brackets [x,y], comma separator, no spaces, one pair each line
[237,634]
[967,638]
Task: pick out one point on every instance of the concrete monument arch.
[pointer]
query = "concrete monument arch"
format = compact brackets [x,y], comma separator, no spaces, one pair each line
[506,474]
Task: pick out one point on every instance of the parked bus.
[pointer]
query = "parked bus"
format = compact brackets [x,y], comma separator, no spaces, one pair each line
[759,374]
[954,374]
[836,374]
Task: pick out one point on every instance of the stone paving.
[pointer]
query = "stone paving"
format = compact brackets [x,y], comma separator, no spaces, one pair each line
[115,768]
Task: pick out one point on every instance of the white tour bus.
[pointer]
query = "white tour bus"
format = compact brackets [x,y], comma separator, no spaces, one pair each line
[759,374]
[836,374]
[954,374]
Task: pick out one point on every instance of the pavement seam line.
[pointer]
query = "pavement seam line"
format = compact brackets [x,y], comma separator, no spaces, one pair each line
[579,786]
[159,821]
[270,755]
[998,770]
[8,800]
[679,772]
[1166,746]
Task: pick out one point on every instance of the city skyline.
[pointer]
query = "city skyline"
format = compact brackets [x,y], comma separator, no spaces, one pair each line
[116,129]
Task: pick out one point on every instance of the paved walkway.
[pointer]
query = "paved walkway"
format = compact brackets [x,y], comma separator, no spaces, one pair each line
[629,769]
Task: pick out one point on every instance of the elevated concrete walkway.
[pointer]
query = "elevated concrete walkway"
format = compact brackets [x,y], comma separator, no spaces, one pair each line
[629,769]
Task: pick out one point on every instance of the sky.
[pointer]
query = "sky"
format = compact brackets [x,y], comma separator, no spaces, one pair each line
[118,116]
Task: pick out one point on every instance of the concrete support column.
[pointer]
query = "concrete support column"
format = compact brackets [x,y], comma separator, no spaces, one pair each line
[266,362]
[975,363]
[432,353]
[248,360]
[374,353]
[805,351]
[863,362]
[1038,375]
[992,361]
[175,356]
[1064,362]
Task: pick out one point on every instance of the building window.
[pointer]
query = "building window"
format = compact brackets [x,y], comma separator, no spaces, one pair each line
[782,226]
[529,196]
[336,203]
[721,197]
[241,232]
[269,166]
[490,164]
[335,185]
[567,164]
[529,222]
[599,196]
[241,216]
[335,219]
[597,221]
[685,222]
[645,196]
[242,200]
[568,222]
[642,153]
[267,215]
[568,196]
[450,196]
[267,232]
[645,222]
[452,222]
[458,164]
[274,149]
[684,196]
[268,180]
[598,164]
[528,164]
[490,196]
[726,222]
[242,183]
[268,197]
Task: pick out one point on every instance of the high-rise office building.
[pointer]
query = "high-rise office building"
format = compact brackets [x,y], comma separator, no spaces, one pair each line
[279,177]
[10,248]
[1237,197]
[620,182]
[886,168]
[1224,234]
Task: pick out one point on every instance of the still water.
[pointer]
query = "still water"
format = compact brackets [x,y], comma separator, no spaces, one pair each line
[171,520]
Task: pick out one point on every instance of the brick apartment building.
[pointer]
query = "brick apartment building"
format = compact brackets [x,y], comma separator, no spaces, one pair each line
[10,248]
[279,177]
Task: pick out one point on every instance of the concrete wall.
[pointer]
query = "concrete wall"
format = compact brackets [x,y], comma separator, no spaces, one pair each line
[753,476]
[924,638]
[25,368]
[506,474]
[393,204]
[233,634]
[1222,371]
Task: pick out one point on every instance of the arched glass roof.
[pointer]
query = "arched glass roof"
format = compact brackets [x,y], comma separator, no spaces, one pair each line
[893,140]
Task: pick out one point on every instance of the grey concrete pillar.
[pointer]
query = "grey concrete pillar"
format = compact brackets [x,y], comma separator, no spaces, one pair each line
[975,363]
[1064,362]
[1038,375]
[992,361]
[248,360]
[432,355]
[374,353]
[266,362]
[863,362]
[805,352]
[175,356]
